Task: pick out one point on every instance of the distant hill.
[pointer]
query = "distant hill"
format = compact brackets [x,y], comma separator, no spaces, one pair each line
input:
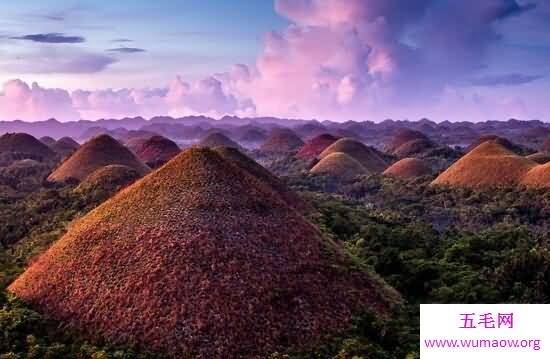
[107,180]
[310,129]
[282,140]
[537,177]
[313,148]
[217,139]
[365,155]
[156,151]
[488,165]
[408,168]
[407,142]
[25,145]
[545,147]
[47,140]
[65,146]
[98,152]
[339,165]
[192,128]
[504,142]
[539,157]
[250,134]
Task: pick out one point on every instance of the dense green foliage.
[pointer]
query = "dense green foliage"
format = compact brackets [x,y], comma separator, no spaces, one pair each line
[27,227]
[431,244]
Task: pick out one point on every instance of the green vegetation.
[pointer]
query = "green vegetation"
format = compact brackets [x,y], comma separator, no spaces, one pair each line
[433,245]
[28,226]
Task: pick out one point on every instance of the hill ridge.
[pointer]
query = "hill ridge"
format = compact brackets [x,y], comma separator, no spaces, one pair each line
[98,152]
[200,259]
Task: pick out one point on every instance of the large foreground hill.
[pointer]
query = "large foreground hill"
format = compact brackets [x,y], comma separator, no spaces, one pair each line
[200,259]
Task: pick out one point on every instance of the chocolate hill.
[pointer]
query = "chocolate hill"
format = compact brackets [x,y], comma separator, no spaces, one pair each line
[135,143]
[407,142]
[537,177]
[65,146]
[157,150]
[251,134]
[263,175]
[282,140]
[218,139]
[315,146]
[414,147]
[539,157]
[47,140]
[107,180]
[100,151]
[25,146]
[310,130]
[339,165]
[545,147]
[200,259]
[408,168]
[487,165]
[24,168]
[504,142]
[365,155]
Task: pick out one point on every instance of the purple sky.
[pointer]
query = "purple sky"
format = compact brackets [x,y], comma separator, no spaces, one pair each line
[326,59]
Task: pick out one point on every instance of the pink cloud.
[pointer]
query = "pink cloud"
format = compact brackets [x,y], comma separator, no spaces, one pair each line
[21,101]
[353,59]
[119,103]
[206,96]
[371,59]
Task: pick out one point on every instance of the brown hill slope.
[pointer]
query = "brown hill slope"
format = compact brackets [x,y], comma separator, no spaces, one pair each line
[263,175]
[487,165]
[315,146]
[403,136]
[157,150]
[135,143]
[365,155]
[100,151]
[199,259]
[539,157]
[538,176]
[339,165]
[545,147]
[47,140]
[107,180]
[408,168]
[251,134]
[504,142]
[218,139]
[25,145]
[282,140]
[413,147]
[65,146]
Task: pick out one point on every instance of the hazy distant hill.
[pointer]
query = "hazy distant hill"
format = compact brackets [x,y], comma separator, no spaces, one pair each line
[193,128]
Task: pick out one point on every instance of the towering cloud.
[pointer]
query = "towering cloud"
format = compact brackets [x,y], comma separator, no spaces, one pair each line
[370,57]
[353,59]
[21,101]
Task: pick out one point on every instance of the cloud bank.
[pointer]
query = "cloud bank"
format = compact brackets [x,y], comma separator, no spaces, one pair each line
[505,80]
[21,101]
[376,58]
[338,60]
[127,50]
[51,38]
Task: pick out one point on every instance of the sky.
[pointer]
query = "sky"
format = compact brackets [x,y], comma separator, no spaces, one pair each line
[334,60]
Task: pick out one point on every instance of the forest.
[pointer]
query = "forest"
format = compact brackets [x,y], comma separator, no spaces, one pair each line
[433,245]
